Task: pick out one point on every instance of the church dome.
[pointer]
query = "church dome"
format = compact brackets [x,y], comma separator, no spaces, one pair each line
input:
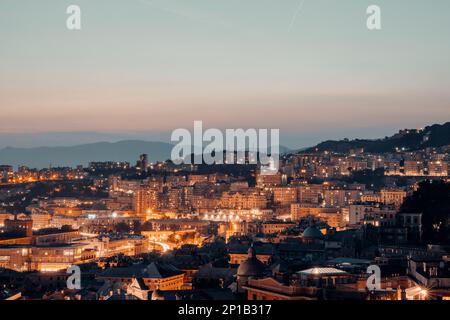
[312,233]
[251,267]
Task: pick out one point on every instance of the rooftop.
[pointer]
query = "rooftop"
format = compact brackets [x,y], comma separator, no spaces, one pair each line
[154,270]
[322,271]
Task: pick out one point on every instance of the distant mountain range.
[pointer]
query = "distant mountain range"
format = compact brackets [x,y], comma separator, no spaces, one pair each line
[71,156]
[409,139]
[129,150]
[42,157]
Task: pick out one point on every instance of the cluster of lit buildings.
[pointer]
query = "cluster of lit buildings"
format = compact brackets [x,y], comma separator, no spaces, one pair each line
[308,232]
[426,163]
[51,250]
[27,175]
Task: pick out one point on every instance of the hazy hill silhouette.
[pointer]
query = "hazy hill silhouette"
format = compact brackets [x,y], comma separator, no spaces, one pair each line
[410,139]
[42,157]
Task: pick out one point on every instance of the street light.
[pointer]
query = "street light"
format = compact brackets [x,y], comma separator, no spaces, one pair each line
[423,294]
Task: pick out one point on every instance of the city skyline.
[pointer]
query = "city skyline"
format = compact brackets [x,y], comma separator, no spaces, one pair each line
[225,155]
[154,66]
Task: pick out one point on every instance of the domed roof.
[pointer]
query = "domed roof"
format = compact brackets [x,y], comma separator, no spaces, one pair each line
[313,233]
[251,267]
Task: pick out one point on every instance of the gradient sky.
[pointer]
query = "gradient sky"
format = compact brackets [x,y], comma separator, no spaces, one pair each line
[142,66]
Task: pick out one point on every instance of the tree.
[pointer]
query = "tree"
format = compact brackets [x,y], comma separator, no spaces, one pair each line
[122,227]
[432,199]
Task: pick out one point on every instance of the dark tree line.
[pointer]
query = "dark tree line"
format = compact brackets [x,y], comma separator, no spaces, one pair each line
[433,200]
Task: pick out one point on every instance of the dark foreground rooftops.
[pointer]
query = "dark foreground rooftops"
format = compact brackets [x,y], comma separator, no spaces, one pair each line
[155,270]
